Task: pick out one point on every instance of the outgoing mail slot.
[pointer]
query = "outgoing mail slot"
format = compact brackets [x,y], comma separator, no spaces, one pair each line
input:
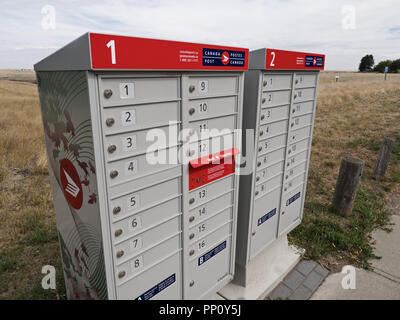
[268,115]
[137,142]
[144,199]
[271,144]
[139,117]
[303,80]
[210,208]
[165,282]
[126,91]
[135,167]
[210,168]
[211,86]
[273,129]
[304,95]
[211,191]
[147,259]
[211,107]
[299,134]
[276,82]
[204,227]
[213,127]
[275,98]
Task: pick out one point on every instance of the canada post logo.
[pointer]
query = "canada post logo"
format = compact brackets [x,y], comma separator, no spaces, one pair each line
[71,184]
[217,57]
[314,62]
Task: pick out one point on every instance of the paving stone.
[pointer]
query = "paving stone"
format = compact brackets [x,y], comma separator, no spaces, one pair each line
[301,293]
[313,280]
[294,279]
[321,270]
[306,266]
[281,292]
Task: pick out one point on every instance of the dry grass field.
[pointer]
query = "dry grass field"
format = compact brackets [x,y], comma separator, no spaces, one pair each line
[353,116]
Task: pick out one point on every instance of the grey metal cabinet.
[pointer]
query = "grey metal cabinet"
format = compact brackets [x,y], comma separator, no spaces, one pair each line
[143,157]
[279,105]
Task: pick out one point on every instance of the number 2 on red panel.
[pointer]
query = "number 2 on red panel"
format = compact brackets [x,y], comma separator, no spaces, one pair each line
[273,59]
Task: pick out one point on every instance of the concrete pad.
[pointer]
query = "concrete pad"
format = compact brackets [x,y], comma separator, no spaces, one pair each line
[369,286]
[264,272]
[215,296]
[388,247]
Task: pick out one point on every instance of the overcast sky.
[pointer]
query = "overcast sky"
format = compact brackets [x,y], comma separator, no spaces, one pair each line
[343,30]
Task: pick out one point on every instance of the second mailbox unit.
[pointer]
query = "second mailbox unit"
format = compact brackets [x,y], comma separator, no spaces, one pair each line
[279,103]
[135,220]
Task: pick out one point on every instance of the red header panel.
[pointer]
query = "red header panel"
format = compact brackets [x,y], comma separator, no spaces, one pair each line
[119,52]
[291,60]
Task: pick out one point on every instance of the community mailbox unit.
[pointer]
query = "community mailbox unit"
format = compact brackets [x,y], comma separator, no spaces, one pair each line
[279,103]
[144,194]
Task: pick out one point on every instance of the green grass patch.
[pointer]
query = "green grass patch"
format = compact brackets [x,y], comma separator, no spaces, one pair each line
[8,261]
[322,232]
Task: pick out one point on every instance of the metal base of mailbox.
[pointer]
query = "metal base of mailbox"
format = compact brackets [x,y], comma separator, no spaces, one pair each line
[263,273]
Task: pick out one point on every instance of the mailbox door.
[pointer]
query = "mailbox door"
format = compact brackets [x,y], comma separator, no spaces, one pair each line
[211,110]
[139,120]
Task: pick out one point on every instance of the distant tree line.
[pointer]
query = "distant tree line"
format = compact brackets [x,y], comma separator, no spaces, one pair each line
[367,64]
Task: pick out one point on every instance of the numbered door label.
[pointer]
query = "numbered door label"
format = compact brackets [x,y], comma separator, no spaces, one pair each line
[137,264]
[128,117]
[126,91]
[201,245]
[136,244]
[202,211]
[129,143]
[133,202]
[203,107]
[203,127]
[131,168]
[202,194]
[136,223]
[203,148]
[270,82]
[203,86]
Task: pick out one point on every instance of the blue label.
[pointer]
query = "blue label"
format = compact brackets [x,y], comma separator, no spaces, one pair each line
[266,216]
[224,58]
[314,62]
[386,69]
[157,288]
[212,253]
[293,199]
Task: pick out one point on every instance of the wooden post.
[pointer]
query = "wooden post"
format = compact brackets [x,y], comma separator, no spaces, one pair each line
[347,185]
[383,158]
